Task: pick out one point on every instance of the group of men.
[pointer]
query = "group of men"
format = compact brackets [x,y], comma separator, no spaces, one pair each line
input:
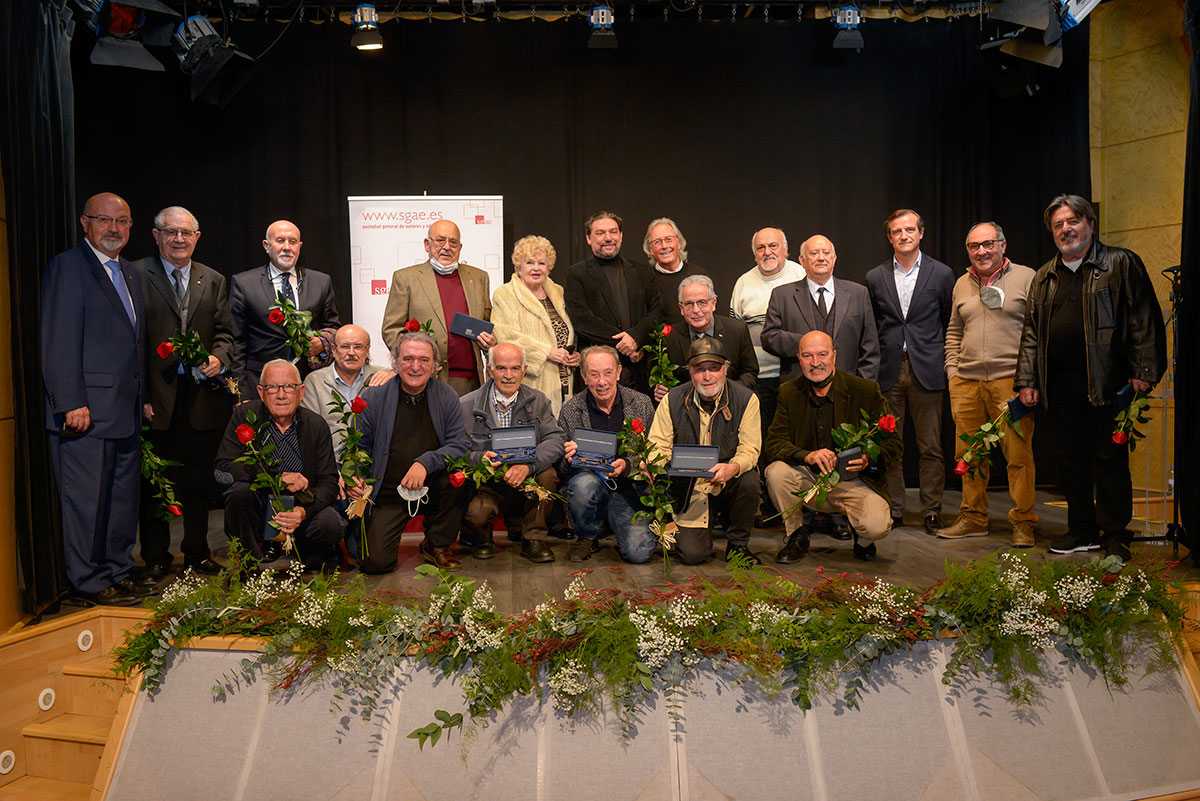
[801,353]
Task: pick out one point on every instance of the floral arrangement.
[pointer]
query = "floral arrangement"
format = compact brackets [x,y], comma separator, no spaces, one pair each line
[1008,616]
[662,369]
[154,470]
[355,462]
[482,472]
[983,441]
[1125,424]
[651,466]
[297,324]
[846,436]
[259,450]
[187,346]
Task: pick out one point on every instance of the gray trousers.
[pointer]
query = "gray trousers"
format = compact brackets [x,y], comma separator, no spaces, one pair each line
[908,398]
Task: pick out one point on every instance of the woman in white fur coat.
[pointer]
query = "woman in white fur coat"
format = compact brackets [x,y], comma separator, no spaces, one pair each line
[529,310]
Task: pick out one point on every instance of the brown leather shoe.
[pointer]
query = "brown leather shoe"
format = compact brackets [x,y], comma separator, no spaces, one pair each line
[960,528]
[441,557]
[1022,536]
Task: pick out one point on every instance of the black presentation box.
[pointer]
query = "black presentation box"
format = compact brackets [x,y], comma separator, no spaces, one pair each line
[596,449]
[515,445]
[693,461]
[470,327]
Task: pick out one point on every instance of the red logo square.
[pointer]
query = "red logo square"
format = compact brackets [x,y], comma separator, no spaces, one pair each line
[379,287]
[479,219]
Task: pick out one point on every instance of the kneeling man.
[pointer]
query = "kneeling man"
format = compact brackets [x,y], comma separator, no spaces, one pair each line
[711,410]
[502,402]
[304,453]
[409,428]
[591,496]
[800,447]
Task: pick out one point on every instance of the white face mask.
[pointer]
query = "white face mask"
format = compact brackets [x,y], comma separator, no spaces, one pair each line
[991,296]
[414,498]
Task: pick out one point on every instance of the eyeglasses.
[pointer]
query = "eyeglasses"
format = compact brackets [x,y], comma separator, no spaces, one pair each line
[106,220]
[987,244]
[441,240]
[275,389]
[171,233]
[663,240]
[346,347]
[689,305]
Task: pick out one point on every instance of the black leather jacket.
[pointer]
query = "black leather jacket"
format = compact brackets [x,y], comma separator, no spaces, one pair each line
[1122,324]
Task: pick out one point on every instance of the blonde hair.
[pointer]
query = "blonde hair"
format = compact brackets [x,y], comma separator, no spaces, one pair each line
[531,246]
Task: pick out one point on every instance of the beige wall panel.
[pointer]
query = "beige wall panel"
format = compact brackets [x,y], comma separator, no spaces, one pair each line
[1134,24]
[1144,182]
[6,387]
[1098,187]
[1096,103]
[1158,247]
[1096,36]
[10,599]
[1146,92]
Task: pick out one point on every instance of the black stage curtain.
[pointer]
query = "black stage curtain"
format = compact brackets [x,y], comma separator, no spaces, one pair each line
[39,183]
[1187,438]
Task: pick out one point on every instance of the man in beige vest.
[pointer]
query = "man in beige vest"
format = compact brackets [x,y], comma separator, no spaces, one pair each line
[431,292]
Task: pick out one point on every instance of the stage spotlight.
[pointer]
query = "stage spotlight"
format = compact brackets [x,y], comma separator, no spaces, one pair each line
[366,28]
[601,18]
[848,36]
[123,29]
[218,69]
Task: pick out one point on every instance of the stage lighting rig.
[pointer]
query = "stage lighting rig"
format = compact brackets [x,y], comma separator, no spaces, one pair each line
[601,18]
[123,29]
[218,69]
[366,28]
[848,36]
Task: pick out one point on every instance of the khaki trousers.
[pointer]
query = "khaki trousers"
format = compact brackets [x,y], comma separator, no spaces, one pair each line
[865,508]
[973,403]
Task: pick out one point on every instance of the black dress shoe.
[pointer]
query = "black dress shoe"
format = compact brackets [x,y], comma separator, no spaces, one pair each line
[839,528]
[865,553]
[206,566]
[562,533]
[582,549]
[897,521]
[136,588]
[796,547]
[271,551]
[932,524]
[742,550]
[484,550]
[536,551]
[109,596]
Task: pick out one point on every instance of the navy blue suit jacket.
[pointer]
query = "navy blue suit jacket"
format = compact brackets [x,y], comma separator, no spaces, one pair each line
[91,353]
[924,328]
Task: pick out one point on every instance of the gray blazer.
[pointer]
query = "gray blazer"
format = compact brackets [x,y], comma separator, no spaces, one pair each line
[791,314]
[532,409]
[319,387]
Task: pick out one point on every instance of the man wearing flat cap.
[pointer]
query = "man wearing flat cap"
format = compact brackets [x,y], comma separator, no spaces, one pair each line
[712,410]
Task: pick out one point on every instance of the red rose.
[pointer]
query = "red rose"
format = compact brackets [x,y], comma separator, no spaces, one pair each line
[164,349]
[887,423]
[1120,437]
[412,325]
[276,316]
[637,425]
[245,433]
[961,468]
[666,330]
[175,509]
[457,478]
[358,405]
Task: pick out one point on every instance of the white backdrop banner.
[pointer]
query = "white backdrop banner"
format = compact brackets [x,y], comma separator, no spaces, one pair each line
[386,234]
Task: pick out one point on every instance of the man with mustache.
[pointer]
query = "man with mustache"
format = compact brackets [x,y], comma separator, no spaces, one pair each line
[1092,325]
[800,448]
[92,338]
[666,247]
[712,410]
[432,292]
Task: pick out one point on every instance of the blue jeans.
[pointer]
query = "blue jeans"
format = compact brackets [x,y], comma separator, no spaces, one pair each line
[590,502]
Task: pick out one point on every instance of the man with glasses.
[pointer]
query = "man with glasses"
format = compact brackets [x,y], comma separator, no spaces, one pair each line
[982,342]
[666,247]
[432,292]
[186,408]
[303,458]
[712,410]
[910,293]
[257,339]
[348,376]
[698,305]
[92,340]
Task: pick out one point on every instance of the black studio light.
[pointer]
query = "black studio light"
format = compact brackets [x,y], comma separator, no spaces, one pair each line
[601,19]
[124,29]
[218,69]
[846,22]
[366,28]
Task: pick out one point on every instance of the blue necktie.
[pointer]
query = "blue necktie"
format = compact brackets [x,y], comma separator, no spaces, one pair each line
[122,291]
[286,282]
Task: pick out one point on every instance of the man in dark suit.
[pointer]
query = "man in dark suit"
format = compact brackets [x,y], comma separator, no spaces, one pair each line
[187,407]
[256,339]
[820,302]
[697,304]
[911,294]
[612,301]
[92,342]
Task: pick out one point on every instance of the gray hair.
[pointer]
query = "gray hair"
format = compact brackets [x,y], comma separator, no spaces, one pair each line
[1076,203]
[278,363]
[999,230]
[692,280]
[592,350]
[678,234]
[415,336]
[491,364]
[158,218]
[754,236]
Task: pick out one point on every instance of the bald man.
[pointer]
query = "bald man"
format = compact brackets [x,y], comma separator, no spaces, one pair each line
[431,292]
[348,376]
[251,294]
[800,447]
[92,339]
